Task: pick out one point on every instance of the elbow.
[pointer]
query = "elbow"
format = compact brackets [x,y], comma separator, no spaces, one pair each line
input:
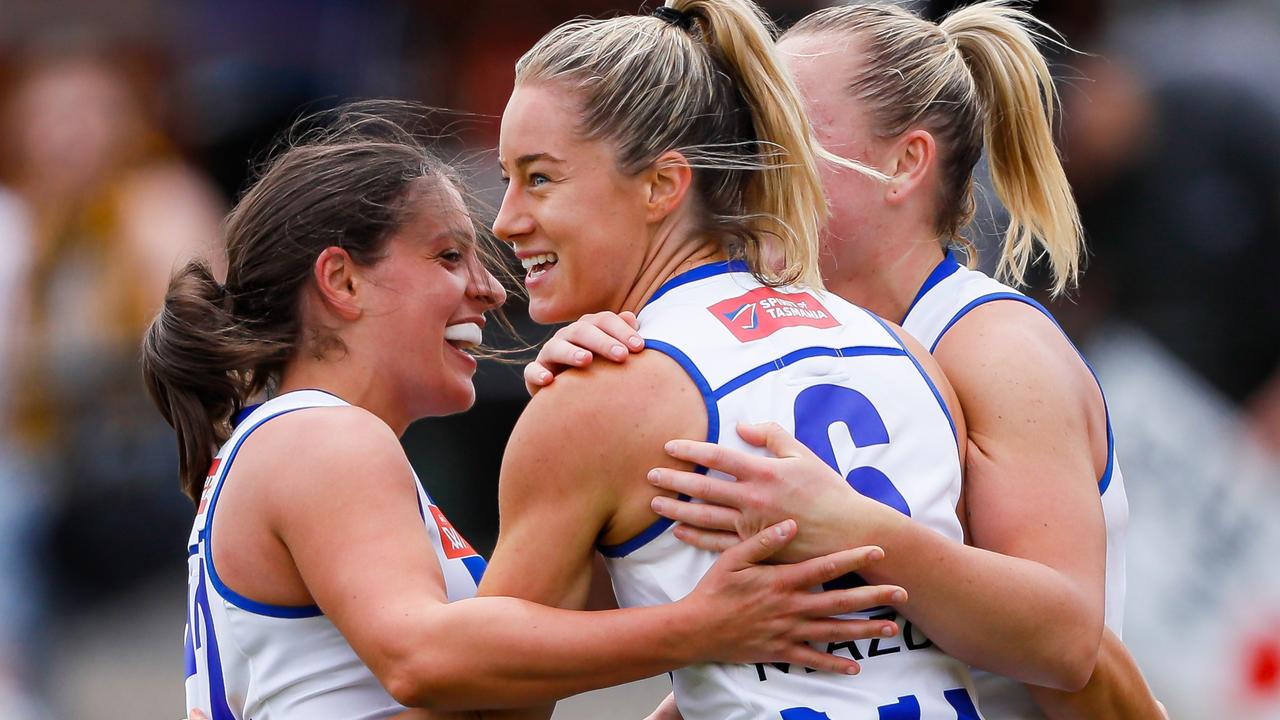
[1073,658]
[407,688]
[415,680]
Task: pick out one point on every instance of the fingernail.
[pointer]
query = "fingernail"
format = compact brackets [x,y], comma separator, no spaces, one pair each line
[781,530]
[889,630]
[544,376]
[581,355]
[898,596]
[875,554]
[618,351]
[659,503]
[636,342]
[851,670]
[654,475]
[670,447]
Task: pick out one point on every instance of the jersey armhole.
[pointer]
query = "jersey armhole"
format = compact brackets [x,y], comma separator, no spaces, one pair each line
[206,536]
[660,525]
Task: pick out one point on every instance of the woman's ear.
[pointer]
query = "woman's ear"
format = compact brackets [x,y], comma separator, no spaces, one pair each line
[669,180]
[338,283]
[910,165]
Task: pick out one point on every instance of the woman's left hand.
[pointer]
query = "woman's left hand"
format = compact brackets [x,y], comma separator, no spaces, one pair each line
[606,334]
[794,483]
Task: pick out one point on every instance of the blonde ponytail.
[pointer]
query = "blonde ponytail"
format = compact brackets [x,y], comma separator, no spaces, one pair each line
[975,79]
[713,88]
[787,191]
[997,42]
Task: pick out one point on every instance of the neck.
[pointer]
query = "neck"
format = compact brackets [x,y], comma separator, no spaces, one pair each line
[882,277]
[670,257]
[347,377]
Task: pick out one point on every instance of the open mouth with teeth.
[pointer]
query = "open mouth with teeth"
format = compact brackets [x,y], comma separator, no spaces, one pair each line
[539,264]
[464,336]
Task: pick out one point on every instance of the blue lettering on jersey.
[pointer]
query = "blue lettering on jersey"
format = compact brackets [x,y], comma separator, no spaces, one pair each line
[906,708]
[803,713]
[821,406]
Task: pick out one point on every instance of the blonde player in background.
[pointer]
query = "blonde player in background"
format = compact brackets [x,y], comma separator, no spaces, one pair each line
[920,101]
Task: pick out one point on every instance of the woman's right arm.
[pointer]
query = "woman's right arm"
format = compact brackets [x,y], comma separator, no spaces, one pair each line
[344,502]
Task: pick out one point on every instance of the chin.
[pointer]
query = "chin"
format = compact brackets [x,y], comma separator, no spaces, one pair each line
[450,400]
[545,312]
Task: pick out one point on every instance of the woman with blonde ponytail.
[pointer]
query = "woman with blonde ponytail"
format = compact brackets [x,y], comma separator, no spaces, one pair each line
[920,102]
[663,165]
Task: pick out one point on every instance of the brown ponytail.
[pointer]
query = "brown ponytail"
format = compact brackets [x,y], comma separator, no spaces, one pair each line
[196,358]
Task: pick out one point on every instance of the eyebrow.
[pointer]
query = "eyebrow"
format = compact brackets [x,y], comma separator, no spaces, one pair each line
[524,160]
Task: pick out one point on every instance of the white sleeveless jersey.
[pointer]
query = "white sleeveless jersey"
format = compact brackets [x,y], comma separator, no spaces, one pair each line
[840,381]
[247,660]
[948,294]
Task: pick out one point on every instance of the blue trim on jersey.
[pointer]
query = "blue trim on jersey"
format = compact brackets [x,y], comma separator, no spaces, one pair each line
[244,413]
[206,534]
[188,653]
[475,565]
[928,380]
[795,356]
[218,709]
[1105,481]
[944,270]
[701,272]
[713,432]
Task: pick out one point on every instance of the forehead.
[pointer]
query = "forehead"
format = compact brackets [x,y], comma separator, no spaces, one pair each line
[824,61]
[437,205]
[823,66]
[540,118]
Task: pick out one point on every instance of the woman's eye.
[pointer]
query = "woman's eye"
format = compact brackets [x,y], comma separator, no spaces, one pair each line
[538,180]
[453,256]
[506,180]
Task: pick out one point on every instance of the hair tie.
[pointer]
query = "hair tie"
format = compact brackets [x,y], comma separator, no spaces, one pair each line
[679,18]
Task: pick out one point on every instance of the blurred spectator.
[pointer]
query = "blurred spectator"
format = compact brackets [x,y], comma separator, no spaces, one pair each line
[101,210]
[1178,177]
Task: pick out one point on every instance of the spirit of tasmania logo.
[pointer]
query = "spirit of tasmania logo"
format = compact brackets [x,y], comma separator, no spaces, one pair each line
[763,311]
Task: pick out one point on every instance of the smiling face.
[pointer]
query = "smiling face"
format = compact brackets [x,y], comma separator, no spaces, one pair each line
[426,303]
[578,225]
[823,66]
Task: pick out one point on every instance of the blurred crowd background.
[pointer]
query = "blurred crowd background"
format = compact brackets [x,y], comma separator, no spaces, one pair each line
[128,127]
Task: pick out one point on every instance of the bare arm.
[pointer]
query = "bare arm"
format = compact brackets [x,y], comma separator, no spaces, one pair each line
[1115,690]
[1032,489]
[347,512]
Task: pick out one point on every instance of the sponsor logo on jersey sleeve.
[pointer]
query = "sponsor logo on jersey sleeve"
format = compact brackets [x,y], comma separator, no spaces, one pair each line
[451,541]
[764,311]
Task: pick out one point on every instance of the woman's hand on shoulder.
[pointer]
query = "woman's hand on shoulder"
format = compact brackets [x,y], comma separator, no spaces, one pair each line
[606,334]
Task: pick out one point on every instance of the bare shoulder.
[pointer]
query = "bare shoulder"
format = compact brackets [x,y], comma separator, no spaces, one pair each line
[322,448]
[595,433]
[608,400]
[1011,349]
[1024,385]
